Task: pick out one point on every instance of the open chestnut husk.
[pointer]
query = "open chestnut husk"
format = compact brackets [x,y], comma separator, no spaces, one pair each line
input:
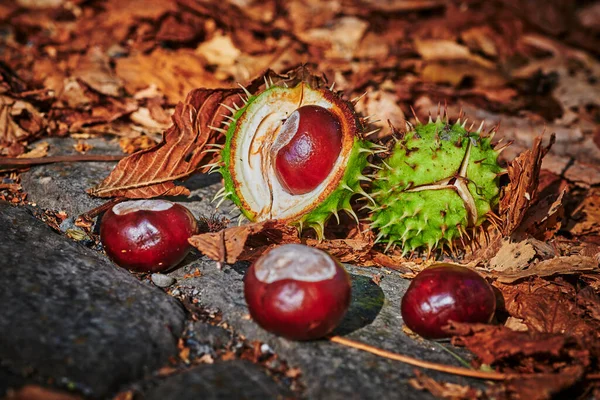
[297,292]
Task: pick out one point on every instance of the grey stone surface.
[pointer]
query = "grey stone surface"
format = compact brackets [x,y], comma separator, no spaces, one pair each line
[62,186]
[204,333]
[162,280]
[223,380]
[69,315]
[329,370]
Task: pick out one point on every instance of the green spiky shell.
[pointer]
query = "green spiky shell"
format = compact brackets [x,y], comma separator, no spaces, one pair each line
[321,208]
[438,182]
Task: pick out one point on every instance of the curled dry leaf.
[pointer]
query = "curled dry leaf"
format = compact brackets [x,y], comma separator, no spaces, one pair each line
[545,219]
[232,244]
[248,242]
[567,265]
[495,344]
[94,69]
[586,217]
[551,306]
[443,390]
[152,172]
[523,174]
[19,122]
[544,386]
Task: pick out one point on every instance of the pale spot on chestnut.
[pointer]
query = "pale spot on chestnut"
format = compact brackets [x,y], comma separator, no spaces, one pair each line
[295,261]
[138,205]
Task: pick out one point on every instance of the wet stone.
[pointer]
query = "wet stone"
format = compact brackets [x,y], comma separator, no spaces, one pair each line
[236,379]
[71,317]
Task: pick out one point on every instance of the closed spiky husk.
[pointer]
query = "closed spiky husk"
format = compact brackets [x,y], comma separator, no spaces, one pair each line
[439,182]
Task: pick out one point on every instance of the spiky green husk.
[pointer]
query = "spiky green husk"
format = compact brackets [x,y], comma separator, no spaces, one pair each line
[439,182]
[322,210]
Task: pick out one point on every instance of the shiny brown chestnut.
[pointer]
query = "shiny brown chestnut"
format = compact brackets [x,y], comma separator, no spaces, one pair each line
[309,156]
[297,292]
[443,293]
[147,235]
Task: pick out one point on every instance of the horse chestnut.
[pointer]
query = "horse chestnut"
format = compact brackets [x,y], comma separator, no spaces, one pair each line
[297,291]
[314,142]
[446,292]
[147,235]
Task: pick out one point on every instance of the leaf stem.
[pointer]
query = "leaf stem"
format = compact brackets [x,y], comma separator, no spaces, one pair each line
[12,162]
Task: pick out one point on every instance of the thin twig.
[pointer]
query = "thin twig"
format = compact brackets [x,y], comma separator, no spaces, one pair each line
[491,376]
[495,376]
[10,161]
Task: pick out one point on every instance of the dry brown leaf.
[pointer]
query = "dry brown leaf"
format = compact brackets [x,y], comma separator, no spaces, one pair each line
[588,299]
[40,150]
[434,49]
[584,174]
[131,145]
[586,217]
[544,219]
[544,386]
[94,69]
[456,72]
[523,174]
[549,307]
[346,250]
[339,38]
[556,266]
[174,73]
[151,173]
[82,146]
[248,242]
[515,324]
[230,245]
[78,96]
[19,121]
[493,344]
[513,256]
[219,50]
[443,390]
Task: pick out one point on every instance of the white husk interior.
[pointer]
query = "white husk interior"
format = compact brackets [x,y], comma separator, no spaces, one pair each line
[259,185]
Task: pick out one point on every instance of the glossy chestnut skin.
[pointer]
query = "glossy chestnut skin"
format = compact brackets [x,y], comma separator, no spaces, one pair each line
[282,301]
[446,292]
[308,158]
[147,235]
